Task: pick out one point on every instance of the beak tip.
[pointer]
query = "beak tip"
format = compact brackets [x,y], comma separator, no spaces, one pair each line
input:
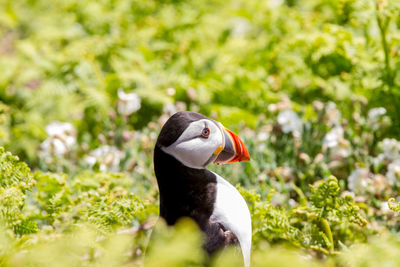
[240,152]
[245,157]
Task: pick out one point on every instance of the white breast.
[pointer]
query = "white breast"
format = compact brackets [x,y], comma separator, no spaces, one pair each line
[231,211]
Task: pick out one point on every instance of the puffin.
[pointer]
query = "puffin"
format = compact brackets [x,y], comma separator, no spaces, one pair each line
[187,143]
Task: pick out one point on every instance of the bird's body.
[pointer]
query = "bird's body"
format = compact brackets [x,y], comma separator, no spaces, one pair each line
[188,189]
[230,210]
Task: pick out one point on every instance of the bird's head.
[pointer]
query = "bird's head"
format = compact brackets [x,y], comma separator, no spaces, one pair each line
[196,141]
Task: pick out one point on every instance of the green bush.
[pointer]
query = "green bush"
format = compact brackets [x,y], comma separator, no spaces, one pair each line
[311,86]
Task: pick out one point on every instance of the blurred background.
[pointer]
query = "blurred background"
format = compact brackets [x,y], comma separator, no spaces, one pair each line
[312,87]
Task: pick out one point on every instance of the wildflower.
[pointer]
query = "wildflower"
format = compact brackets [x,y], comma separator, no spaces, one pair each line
[359,180]
[53,146]
[343,150]
[393,172]
[285,103]
[385,208]
[61,138]
[262,136]
[375,113]
[285,172]
[171,91]
[318,105]
[180,106]
[275,3]
[375,116]
[293,203]
[378,161]
[127,135]
[274,82]
[261,147]
[390,149]
[169,109]
[58,129]
[191,93]
[333,137]
[290,122]
[332,114]
[163,119]
[128,103]
[305,157]
[319,158]
[338,146]
[240,27]
[262,177]
[380,184]
[278,199]
[108,158]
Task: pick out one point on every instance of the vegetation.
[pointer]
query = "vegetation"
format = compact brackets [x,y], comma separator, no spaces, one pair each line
[312,87]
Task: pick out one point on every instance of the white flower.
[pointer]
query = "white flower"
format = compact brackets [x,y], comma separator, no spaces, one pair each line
[333,137]
[378,160]
[385,207]
[318,105]
[393,172]
[171,91]
[108,158]
[359,180]
[61,139]
[332,114]
[55,129]
[391,149]
[341,151]
[390,153]
[375,113]
[338,146]
[261,147]
[128,103]
[262,136]
[180,106]
[240,27]
[275,3]
[374,116]
[290,122]
[283,104]
[53,146]
[90,160]
[169,109]
[278,199]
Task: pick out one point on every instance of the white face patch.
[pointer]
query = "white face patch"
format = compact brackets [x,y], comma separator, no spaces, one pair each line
[194,150]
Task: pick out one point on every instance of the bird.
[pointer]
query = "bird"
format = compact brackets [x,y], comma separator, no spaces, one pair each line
[187,143]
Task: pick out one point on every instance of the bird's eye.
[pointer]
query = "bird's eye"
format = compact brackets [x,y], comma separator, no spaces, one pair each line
[206,132]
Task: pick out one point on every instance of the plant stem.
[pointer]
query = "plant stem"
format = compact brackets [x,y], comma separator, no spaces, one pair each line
[383,26]
[327,230]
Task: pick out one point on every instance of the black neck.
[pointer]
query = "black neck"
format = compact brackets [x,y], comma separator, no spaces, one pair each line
[184,191]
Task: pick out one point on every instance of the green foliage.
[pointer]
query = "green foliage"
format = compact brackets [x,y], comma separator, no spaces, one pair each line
[393,206]
[269,222]
[81,247]
[178,246]
[86,86]
[382,251]
[15,180]
[324,221]
[67,63]
[103,200]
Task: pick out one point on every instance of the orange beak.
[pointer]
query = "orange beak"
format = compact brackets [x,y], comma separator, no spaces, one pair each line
[234,149]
